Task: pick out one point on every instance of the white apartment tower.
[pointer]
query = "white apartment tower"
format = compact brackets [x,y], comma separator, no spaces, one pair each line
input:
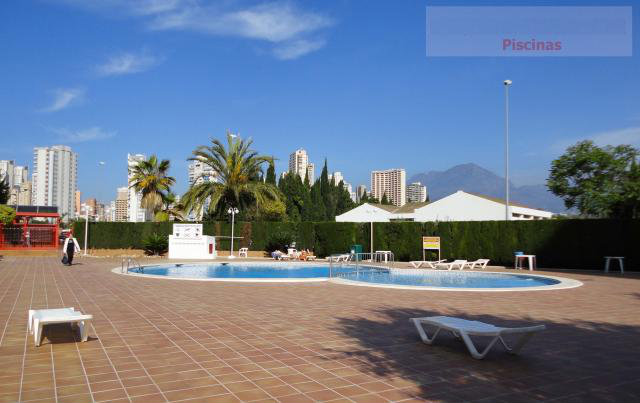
[6,171]
[299,164]
[311,172]
[391,182]
[416,193]
[336,177]
[20,175]
[199,172]
[54,183]
[135,212]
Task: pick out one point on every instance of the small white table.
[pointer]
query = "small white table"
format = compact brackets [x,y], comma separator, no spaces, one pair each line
[40,317]
[383,254]
[607,260]
[531,261]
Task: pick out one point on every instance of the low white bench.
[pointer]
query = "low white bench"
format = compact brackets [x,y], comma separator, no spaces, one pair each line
[38,318]
[607,260]
[463,328]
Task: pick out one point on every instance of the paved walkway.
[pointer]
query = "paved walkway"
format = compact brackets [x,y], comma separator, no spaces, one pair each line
[155,340]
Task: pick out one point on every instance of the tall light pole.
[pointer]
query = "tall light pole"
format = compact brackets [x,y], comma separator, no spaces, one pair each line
[507,84]
[233,211]
[86,228]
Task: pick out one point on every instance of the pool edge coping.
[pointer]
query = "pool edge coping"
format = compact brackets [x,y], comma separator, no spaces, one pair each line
[565,283]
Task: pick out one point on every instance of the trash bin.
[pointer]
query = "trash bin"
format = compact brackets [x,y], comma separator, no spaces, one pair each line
[356,249]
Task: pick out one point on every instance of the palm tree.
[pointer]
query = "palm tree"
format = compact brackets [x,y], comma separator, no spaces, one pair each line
[171,208]
[238,170]
[150,178]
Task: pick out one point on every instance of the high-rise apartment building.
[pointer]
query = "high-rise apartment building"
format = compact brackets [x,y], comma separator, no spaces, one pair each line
[199,172]
[135,212]
[78,202]
[92,205]
[336,177]
[311,172]
[54,179]
[416,193]
[299,164]
[391,182]
[360,191]
[20,174]
[6,171]
[21,194]
[120,205]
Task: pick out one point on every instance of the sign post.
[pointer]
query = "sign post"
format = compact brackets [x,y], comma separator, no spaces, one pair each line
[430,243]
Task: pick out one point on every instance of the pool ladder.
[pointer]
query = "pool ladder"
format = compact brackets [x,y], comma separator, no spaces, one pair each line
[131,263]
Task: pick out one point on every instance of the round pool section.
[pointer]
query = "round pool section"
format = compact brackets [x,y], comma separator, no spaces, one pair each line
[243,271]
[415,279]
[420,279]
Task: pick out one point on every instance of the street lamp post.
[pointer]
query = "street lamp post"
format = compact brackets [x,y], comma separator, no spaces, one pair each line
[86,228]
[233,211]
[507,84]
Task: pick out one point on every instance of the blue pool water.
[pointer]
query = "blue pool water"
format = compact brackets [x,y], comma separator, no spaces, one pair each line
[451,279]
[243,270]
[426,278]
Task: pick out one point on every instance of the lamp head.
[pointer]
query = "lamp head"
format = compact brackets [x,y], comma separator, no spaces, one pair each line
[508,82]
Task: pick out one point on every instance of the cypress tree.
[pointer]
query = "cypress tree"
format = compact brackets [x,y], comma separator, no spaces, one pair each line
[271,173]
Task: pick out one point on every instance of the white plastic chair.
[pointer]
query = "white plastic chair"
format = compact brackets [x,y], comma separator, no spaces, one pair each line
[243,252]
[463,329]
[38,318]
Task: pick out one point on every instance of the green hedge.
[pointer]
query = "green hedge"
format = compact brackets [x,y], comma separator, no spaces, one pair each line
[557,243]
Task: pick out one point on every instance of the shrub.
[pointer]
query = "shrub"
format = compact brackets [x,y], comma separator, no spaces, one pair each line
[155,244]
[7,214]
[576,244]
[279,240]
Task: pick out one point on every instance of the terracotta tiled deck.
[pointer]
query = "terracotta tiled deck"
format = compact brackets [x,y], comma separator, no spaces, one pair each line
[168,341]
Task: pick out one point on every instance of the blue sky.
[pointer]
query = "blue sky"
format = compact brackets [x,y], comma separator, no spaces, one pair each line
[346,80]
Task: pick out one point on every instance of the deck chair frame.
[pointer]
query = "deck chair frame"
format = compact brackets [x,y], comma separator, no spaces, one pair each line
[464,333]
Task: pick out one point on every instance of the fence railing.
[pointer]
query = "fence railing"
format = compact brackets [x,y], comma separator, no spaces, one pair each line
[31,236]
[349,262]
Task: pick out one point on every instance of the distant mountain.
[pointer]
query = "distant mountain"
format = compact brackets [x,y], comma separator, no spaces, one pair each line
[475,179]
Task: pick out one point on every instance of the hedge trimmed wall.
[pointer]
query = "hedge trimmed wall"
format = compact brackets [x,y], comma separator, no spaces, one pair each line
[557,243]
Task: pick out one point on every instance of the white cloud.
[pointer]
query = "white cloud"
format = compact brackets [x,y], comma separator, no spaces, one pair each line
[81,136]
[130,7]
[295,49]
[629,135]
[63,98]
[281,23]
[273,22]
[127,63]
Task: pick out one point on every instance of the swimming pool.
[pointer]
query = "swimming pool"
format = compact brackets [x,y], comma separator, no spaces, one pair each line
[417,279]
[243,270]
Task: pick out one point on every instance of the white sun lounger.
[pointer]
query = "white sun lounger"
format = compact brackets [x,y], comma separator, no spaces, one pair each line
[459,263]
[339,258]
[481,263]
[40,317]
[429,263]
[463,329]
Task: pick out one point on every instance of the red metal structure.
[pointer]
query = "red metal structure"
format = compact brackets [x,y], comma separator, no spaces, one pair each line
[35,227]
